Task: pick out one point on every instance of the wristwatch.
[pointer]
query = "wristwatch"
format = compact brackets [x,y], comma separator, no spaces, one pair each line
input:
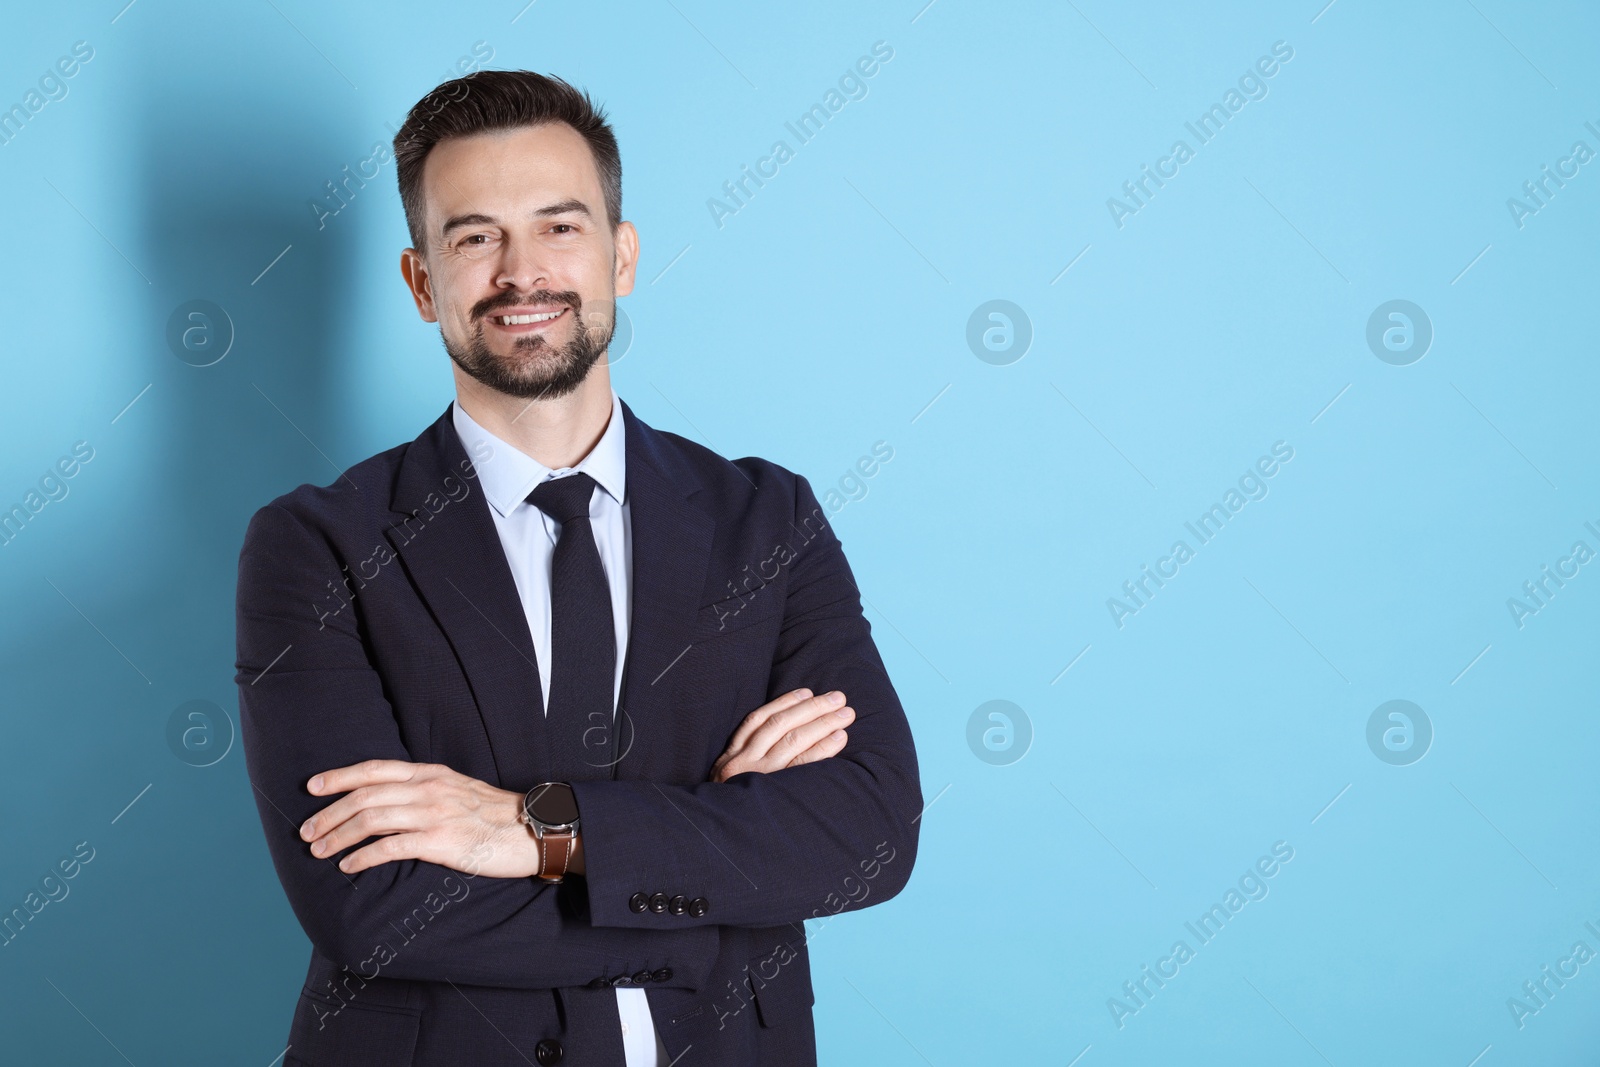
[551,811]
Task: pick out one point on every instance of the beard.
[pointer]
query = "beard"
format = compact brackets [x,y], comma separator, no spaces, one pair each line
[535,369]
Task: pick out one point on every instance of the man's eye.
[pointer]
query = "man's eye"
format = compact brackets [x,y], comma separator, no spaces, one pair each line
[561,226]
[476,237]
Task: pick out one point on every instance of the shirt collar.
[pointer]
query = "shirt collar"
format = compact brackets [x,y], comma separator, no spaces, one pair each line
[509,474]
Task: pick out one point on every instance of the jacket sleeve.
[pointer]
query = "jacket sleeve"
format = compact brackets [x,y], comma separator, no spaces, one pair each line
[310,699]
[766,849]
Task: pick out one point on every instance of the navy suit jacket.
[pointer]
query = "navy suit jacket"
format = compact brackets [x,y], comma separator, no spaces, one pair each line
[378,619]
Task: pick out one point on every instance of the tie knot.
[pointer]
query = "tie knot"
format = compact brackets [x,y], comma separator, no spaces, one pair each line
[564,499]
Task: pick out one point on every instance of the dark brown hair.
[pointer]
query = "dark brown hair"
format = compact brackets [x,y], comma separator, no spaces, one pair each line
[500,100]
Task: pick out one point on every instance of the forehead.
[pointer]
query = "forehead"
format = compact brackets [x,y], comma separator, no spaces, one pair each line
[502,172]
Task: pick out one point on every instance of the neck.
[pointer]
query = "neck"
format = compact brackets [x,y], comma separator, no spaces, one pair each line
[557,432]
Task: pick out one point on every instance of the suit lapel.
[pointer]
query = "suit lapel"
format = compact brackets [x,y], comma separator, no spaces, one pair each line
[671,548]
[452,551]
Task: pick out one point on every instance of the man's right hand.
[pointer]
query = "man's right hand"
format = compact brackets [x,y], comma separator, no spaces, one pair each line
[794,729]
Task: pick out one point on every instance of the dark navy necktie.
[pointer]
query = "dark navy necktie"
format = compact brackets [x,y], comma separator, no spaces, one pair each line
[583,641]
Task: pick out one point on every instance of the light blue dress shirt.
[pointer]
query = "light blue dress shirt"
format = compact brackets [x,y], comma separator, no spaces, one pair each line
[528,536]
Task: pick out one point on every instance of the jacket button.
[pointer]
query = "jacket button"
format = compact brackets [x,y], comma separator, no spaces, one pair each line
[678,904]
[621,979]
[641,977]
[658,903]
[663,975]
[699,906]
[599,983]
[547,1052]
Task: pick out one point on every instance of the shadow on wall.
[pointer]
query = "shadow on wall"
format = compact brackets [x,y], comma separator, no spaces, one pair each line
[220,180]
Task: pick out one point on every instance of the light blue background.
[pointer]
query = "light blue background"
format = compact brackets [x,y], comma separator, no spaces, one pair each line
[830,313]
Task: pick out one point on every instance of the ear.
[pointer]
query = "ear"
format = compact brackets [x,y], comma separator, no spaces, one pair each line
[625,247]
[415,272]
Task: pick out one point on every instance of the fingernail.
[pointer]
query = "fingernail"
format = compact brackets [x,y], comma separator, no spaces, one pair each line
[802,693]
[305,831]
[316,783]
[836,697]
[320,847]
[837,734]
[843,713]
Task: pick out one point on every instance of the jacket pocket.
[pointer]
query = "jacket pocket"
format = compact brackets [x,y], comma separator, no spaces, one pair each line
[781,977]
[732,614]
[329,1032]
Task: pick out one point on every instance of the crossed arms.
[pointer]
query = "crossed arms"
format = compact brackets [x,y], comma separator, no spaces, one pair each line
[769,839]
[429,811]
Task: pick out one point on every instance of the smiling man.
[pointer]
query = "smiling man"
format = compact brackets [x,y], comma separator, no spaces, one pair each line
[545,710]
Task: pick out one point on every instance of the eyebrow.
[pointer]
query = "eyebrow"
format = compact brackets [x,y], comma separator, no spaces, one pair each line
[569,206]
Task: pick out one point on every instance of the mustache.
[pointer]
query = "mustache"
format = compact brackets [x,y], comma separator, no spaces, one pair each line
[538,296]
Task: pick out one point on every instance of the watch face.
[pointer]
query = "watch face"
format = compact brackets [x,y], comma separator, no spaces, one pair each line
[552,803]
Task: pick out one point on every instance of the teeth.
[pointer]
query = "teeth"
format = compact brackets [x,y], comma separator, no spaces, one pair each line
[523,320]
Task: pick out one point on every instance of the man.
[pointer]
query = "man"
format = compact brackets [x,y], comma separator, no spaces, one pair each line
[545,710]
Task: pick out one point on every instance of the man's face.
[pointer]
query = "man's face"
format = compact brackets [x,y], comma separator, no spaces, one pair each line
[515,225]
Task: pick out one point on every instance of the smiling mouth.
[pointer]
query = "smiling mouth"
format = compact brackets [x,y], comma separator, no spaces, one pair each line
[526,320]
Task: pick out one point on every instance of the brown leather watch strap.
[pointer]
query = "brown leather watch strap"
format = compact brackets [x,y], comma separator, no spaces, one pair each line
[555,852]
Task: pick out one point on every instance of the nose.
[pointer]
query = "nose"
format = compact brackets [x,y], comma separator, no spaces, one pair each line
[521,268]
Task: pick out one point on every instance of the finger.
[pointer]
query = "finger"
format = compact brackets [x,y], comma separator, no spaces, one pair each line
[353,802]
[373,822]
[798,715]
[383,850]
[367,772]
[827,748]
[797,740]
[780,721]
[728,764]
[814,713]
[741,736]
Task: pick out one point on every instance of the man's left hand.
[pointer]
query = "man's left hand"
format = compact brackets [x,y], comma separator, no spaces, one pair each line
[423,811]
